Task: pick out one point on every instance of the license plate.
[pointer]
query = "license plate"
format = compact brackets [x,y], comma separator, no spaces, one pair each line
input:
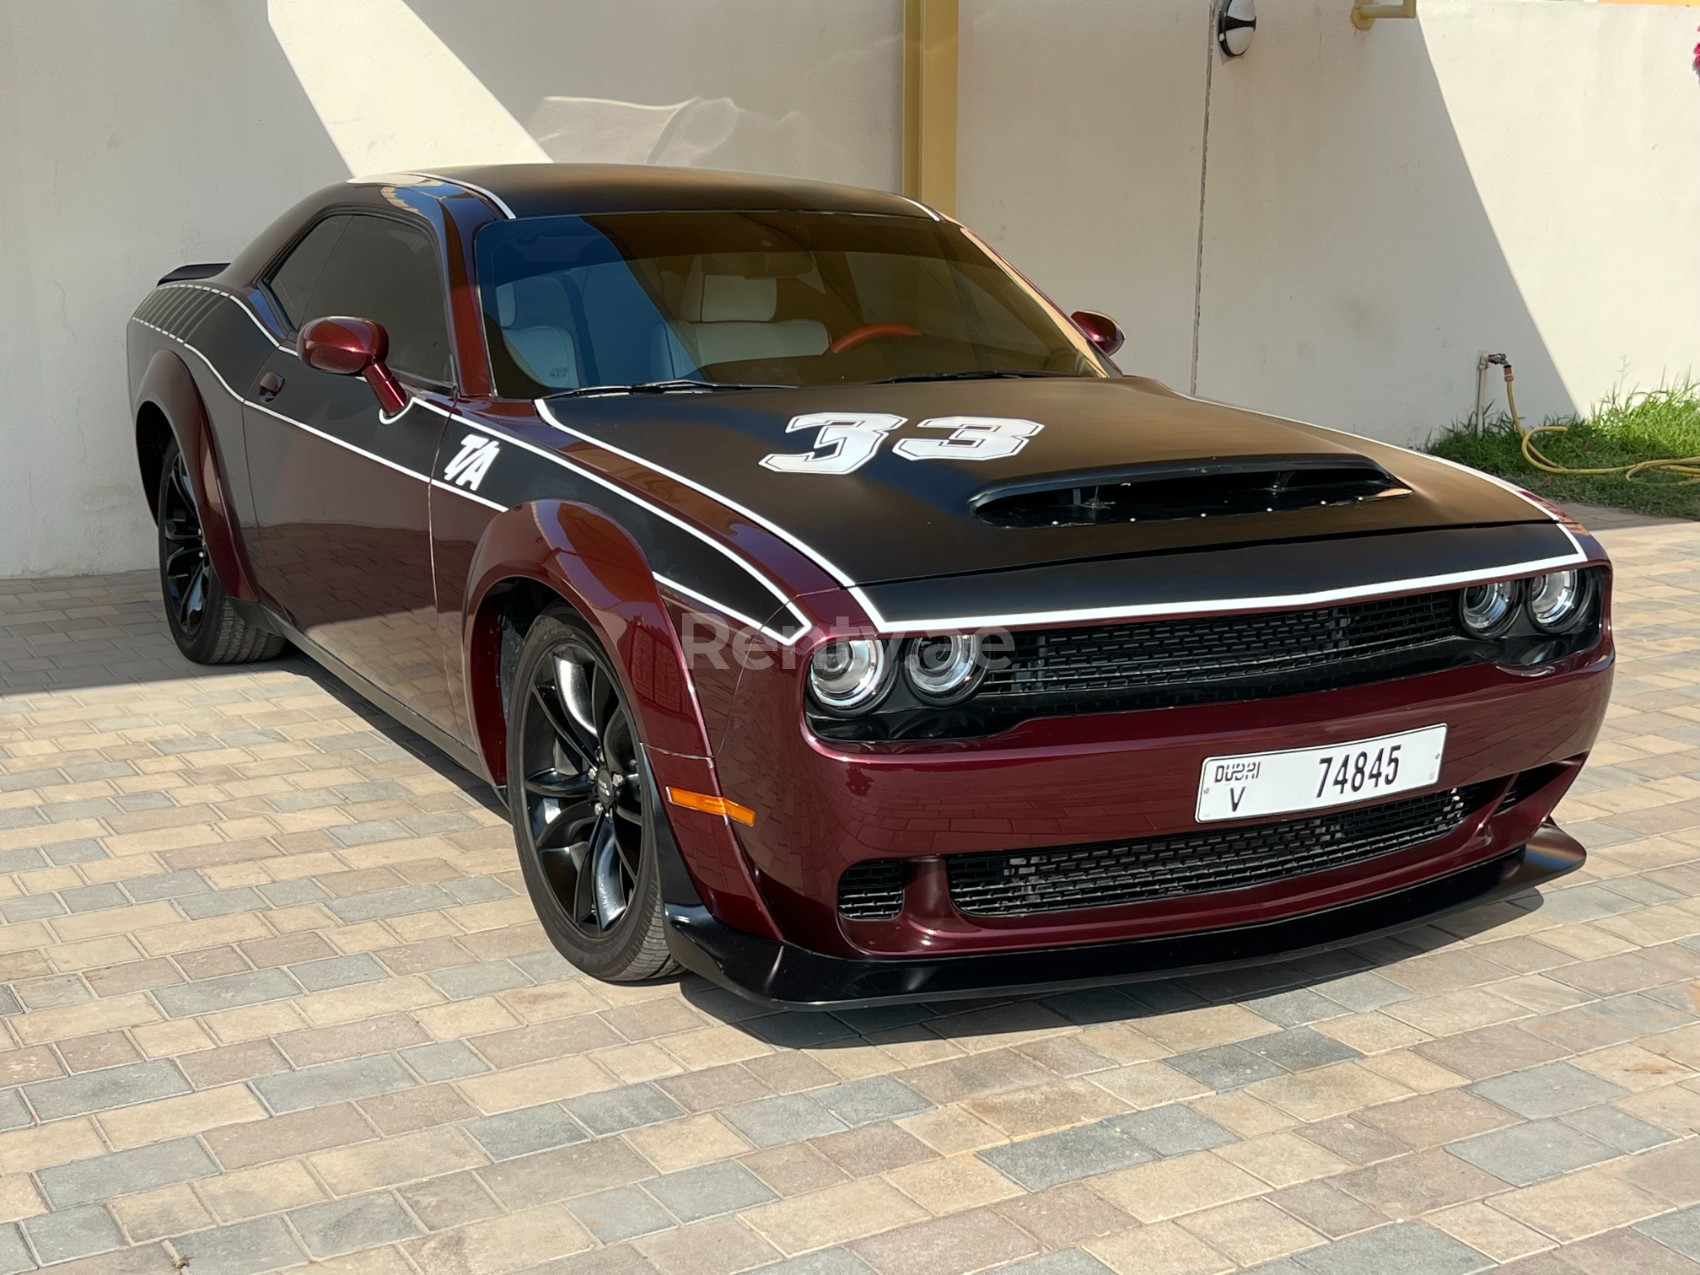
[1278,783]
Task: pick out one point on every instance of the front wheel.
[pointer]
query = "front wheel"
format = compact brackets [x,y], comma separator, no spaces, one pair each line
[577,793]
[205,626]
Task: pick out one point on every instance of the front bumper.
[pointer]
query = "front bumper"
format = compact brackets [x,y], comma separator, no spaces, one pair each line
[775,972]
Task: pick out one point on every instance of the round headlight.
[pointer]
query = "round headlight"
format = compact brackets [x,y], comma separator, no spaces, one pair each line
[944,670]
[1486,608]
[1555,600]
[850,675]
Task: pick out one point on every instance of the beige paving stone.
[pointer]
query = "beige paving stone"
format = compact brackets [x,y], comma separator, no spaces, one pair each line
[1328,1091]
[1057,1104]
[833,1216]
[1579,1205]
[152,1215]
[539,1082]
[173,1117]
[1169,1188]
[1251,1231]
[952,1184]
[1163,1249]
[1487,1230]
[1282,1159]
[501,1244]
[19,1198]
[266,1188]
[684,1144]
[949,1130]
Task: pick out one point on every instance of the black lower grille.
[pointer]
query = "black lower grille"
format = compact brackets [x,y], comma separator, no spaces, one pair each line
[1103,875]
[1213,659]
[871,890]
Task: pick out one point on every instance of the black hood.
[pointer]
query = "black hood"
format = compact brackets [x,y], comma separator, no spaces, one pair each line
[895,518]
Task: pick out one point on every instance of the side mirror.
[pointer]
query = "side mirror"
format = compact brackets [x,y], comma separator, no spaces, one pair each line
[1100,329]
[353,347]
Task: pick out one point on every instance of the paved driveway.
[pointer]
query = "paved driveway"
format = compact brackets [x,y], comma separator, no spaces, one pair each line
[272,993]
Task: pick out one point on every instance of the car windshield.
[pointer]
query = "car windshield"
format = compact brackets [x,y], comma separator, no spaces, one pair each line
[682,300]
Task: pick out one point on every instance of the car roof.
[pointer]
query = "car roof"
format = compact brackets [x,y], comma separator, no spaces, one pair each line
[546,190]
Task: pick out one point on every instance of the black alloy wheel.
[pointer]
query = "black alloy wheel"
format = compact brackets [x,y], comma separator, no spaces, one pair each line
[578,794]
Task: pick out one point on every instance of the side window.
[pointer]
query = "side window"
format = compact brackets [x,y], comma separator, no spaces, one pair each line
[293,281]
[388,271]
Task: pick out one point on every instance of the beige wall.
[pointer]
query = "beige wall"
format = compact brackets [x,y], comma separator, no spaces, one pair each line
[1516,175]
[1502,174]
[139,136]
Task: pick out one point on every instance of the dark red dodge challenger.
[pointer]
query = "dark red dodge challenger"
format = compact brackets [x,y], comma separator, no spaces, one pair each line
[836,619]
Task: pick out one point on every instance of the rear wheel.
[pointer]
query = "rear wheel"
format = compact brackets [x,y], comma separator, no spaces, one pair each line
[203,623]
[577,790]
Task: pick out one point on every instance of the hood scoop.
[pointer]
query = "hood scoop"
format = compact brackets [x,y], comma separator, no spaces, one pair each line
[1169,491]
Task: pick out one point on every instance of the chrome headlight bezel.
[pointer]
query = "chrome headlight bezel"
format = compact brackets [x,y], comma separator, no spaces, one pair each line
[848,677]
[943,669]
[1493,604]
[1572,607]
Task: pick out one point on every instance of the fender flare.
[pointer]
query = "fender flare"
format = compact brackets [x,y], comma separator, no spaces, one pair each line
[168,385]
[583,556]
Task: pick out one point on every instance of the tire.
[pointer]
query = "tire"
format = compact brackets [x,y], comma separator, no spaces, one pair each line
[203,623]
[578,797]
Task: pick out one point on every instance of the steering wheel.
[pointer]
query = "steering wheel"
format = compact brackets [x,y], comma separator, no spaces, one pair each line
[868,332]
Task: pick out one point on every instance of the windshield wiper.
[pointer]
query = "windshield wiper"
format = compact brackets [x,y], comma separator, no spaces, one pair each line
[972,374]
[679,385]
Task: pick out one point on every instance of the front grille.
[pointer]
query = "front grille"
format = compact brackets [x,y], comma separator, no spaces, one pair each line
[1213,659]
[1104,875]
[871,890]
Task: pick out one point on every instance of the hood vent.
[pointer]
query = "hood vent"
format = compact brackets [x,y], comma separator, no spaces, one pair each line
[1192,489]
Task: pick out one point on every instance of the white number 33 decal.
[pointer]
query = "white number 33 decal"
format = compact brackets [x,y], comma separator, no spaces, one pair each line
[845,441]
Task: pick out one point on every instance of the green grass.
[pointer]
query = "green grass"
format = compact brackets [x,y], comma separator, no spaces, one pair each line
[1648,425]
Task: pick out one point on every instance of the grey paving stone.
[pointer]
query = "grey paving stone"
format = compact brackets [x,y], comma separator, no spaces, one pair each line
[332,1082]
[1618,1129]
[51,993]
[81,850]
[1525,1154]
[379,904]
[288,894]
[1679,1231]
[125,1172]
[709,1190]
[547,967]
[797,1030]
[31,907]
[9,1003]
[768,1122]
[20,860]
[165,885]
[827,1261]
[1365,991]
[445,1060]
[1409,1248]
[106,1088]
[1172,1130]
[93,898]
[244,1248]
[338,971]
[471,889]
[1300,1049]
[369,832]
[1054,1158]
[614,1110]
[1551,1090]
[620,1214]
[14,1253]
[222,902]
[449,1201]
[876,1098]
[71,1233]
[1070,1261]
[341,1226]
[227,991]
[1296,1008]
[462,982]
[14,1112]
[517,1133]
[1225,1067]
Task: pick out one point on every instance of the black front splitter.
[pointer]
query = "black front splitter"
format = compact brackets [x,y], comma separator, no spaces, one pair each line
[782,974]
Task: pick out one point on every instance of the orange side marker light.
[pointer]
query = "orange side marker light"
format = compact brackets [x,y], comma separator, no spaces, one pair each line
[711,805]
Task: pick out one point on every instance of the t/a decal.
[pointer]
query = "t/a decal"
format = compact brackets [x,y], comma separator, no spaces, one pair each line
[477,453]
[845,441]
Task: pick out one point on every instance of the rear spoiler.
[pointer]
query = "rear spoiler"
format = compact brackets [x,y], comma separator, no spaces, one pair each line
[203,271]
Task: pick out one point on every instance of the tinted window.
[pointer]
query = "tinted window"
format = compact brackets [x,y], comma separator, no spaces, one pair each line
[387,271]
[799,298]
[292,283]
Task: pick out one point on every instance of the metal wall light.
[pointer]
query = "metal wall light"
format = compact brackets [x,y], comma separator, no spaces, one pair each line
[1364,15]
[1236,23]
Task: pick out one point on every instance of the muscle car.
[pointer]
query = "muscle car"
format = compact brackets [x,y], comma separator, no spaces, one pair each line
[834,617]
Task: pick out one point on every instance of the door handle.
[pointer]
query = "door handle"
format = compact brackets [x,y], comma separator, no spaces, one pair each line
[270,385]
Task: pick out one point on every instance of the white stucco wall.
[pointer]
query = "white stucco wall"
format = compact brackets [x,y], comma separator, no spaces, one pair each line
[1503,174]
[139,136]
[1516,175]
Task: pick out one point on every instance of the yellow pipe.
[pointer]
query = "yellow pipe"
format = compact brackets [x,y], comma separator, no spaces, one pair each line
[1364,15]
[929,102]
